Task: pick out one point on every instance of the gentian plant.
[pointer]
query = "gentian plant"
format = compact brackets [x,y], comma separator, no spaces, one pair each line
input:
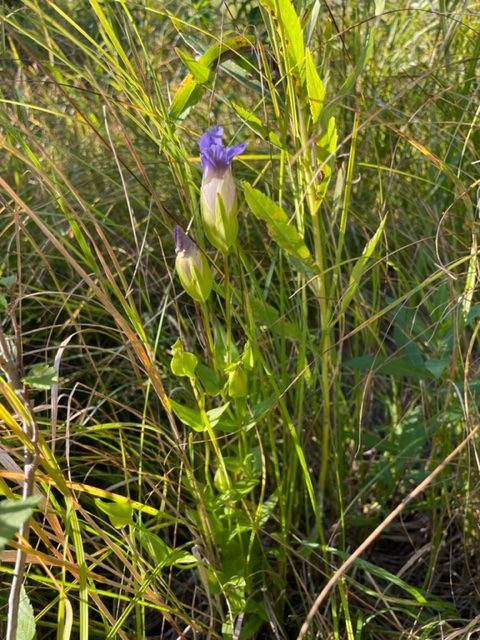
[218,193]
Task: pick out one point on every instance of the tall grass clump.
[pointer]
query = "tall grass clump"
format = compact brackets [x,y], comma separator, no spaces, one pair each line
[239,320]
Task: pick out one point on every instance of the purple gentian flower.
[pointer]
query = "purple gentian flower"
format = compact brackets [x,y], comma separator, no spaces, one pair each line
[218,194]
[192,267]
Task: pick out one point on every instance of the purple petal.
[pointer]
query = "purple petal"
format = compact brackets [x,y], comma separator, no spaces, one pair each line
[235,150]
[212,137]
[215,157]
[213,152]
[182,241]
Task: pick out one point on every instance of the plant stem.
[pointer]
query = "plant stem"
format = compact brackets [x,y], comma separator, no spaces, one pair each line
[228,307]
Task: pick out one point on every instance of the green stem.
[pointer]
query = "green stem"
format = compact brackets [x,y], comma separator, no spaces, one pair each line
[322,297]
[208,332]
[228,307]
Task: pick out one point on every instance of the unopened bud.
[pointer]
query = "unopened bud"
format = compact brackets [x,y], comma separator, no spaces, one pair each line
[192,267]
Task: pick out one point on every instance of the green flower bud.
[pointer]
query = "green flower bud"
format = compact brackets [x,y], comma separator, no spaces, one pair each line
[237,383]
[218,202]
[192,267]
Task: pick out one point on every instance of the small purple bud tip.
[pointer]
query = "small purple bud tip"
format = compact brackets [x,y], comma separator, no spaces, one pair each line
[182,241]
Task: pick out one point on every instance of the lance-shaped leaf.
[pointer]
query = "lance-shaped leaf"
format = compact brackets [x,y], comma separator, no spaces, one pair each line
[290,28]
[315,87]
[201,72]
[360,266]
[280,229]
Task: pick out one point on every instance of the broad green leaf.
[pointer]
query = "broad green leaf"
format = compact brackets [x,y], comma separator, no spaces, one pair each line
[26,628]
[290,29]
[183,363]
[209,378]
[221,480]
[214,415]
[200,72]
[13,513]
[226,49]
[119,513]
[360,266]
[437,366]
[161,554]
[3,302]
[154,545]
[41,376]
[187,95]
[315,87]
[191,417]
[280,229]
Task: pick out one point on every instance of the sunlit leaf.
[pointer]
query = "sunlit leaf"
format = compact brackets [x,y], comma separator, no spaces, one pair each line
[280,229]
[41,376]
[13,513]
[119,513]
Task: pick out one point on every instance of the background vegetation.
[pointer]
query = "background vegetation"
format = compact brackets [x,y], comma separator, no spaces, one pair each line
[171,505]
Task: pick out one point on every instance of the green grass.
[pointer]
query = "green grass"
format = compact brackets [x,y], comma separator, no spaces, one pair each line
[335,362]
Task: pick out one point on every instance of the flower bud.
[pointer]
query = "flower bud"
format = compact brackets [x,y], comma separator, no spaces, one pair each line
[218,200]
[237,381]
[192,267]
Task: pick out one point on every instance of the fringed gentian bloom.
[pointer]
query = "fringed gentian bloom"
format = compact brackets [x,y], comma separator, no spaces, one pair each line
[218,194]
[192,267]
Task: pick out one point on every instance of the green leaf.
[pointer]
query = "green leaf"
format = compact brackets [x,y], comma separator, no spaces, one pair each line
[201,73]
[315,87]
[437,366]
[191,417]
[187,95]
[290,28]
[41,376]
[183,362]
[119,513]
[191,88]
[26,628]
[280,229]
[360,266]
[215,415]
[3,302]
[328,142]
[161,554]
[13,513]
[209,378]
